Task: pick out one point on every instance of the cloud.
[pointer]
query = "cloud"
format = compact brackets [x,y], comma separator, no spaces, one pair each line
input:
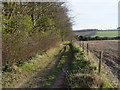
[94,13]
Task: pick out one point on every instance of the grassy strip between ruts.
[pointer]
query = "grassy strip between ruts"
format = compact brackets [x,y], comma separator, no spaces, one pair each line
[19,74]
[83,73]
[48,82]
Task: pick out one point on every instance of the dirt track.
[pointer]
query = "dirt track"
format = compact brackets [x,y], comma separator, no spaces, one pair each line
[37,80]
[111,54]
[61,81]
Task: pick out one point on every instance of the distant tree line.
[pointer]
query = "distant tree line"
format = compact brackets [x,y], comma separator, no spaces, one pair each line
[84,38]
[118,28]
[86,32]
[31,27]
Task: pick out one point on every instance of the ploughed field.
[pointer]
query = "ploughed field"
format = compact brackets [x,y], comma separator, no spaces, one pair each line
[111,53]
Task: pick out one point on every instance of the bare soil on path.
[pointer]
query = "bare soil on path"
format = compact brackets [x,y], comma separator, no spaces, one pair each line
[61,81]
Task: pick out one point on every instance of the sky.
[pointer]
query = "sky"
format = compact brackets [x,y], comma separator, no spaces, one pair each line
[94,14]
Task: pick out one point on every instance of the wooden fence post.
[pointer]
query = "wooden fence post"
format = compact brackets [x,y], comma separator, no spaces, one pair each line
[100,62]
[99,68]
[83,46]
[87,49]
[80,43]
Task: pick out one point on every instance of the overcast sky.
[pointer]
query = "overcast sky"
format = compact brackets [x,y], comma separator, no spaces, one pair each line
[94,14]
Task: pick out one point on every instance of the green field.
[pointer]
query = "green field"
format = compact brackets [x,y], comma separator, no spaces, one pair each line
[107,33]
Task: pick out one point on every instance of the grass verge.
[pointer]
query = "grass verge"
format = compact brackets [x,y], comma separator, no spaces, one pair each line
[83,73]
[19,74]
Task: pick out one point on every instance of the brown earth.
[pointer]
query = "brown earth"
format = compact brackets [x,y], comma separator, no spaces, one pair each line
[111,54]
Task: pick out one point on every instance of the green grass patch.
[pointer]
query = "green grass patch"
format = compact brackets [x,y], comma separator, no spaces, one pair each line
[28,68]
[107,33]
[106,82]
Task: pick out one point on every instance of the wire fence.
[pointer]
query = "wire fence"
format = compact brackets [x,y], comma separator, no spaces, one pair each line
[99,58]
